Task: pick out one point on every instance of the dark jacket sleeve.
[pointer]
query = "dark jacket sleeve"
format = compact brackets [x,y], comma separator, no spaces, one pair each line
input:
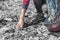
[25,4]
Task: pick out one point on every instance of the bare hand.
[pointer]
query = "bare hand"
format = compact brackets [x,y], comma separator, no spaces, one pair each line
[20,24]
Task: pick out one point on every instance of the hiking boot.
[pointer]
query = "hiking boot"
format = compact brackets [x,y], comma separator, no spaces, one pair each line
[39,18]
[53,27]
[25,25]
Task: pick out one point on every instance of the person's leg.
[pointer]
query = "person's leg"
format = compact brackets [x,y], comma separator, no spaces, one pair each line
[40,16]
[38,4]
[53,24]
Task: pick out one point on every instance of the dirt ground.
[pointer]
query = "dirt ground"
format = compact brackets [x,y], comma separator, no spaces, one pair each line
[9,13]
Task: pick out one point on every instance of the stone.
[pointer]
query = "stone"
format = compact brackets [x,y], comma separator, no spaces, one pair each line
[52,38]
[10,10]
[8,19]
[36,38]
[46,34]
[2,30]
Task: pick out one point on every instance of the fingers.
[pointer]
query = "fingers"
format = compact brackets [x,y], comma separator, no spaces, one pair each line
[19,26]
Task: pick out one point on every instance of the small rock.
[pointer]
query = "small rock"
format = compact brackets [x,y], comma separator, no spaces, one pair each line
[10,31]
[46,34]
[4,29]
[8,19]
[36,38]
[58,38]
[52,38]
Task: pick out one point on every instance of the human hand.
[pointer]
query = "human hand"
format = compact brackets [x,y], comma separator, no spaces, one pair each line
[20,24]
